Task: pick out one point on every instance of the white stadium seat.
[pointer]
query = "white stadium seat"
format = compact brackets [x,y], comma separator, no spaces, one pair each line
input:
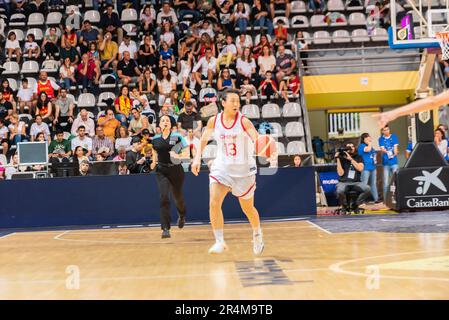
[130,29]
[299,22]
[38,35]
[379,34]
[17,16]
[271,110]
[36,19]
[280,148]
[104,96]
[104,85]
[360,35]
[298,6]
[54,18]
[321,37]
[335,5]
[296,147]
[277,130]
[357,19]
[292,110]
[30,67]
[129,15]
[341,36]
[93,16]
[294,129]
[355,8]
[11,67]
[86,100]
[251,111]
[50,66]
[318,20]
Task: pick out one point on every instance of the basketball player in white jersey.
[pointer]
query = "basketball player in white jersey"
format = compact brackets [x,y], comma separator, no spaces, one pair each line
[420,105]
[233,170]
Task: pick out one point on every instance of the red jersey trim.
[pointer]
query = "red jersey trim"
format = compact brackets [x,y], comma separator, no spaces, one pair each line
[235,121]
[250,188]
[243,127]
[215,121]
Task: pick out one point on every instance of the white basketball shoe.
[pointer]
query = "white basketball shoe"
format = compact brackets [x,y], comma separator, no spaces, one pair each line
[218,247]
[258,244]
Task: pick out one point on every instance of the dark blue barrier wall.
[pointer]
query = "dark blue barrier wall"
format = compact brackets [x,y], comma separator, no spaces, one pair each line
[104,200]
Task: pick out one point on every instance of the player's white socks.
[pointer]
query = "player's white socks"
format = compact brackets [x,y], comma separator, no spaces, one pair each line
[218,233]
[257,231]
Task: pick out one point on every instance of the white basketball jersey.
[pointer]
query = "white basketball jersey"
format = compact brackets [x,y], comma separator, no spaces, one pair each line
[235,149]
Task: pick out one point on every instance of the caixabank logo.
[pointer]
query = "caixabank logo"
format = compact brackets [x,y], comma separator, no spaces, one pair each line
[431,190]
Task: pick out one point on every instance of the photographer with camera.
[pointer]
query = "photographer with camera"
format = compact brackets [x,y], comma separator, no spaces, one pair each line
[349,168]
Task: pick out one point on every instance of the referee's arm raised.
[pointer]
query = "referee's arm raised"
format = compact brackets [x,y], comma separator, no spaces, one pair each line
[205,137]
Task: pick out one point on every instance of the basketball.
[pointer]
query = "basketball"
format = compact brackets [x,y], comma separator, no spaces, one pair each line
[265,146]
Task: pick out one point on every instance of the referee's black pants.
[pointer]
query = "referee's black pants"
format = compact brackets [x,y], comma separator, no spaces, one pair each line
[170,178]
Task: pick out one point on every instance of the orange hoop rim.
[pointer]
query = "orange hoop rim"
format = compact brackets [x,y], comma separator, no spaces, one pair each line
[444,35]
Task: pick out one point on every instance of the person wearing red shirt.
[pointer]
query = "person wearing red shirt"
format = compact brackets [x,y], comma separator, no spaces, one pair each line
[291,86]
[88,76]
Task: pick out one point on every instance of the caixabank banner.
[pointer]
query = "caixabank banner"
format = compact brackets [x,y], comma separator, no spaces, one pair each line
[419,189]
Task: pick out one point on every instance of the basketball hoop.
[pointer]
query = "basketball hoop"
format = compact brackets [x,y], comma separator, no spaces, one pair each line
[443,39]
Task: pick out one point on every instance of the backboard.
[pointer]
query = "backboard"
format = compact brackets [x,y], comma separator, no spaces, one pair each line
[414,23]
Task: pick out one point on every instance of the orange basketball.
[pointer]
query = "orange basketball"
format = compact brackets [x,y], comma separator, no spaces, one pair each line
[265,146]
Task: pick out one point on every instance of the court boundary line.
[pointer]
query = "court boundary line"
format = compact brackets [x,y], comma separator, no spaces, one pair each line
[7,235]
[318,227]
[336,267]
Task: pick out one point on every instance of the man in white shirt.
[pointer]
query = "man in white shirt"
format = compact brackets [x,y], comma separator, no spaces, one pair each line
[84,120]
[25,96]
[127,45]
[208,65]
[83,141]
[39,126]
[228,53]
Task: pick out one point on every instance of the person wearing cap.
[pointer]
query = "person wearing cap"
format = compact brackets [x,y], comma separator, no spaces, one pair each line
[134,159]
[168,150]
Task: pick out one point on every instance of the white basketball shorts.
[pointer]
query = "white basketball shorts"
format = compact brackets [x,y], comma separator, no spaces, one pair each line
[241,187]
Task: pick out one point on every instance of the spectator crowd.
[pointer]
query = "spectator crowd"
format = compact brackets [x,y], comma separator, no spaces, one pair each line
[174,58]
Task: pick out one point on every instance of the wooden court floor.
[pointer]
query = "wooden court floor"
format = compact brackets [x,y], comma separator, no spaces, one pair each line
[301,261]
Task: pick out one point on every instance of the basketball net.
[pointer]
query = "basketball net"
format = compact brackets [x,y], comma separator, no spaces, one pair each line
[443,39]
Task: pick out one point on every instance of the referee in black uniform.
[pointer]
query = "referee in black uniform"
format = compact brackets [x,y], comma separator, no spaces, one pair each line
[167,148]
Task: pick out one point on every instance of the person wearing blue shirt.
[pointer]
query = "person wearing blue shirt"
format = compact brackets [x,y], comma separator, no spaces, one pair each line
[409,149]
[168,150]
[369,173]
[388,144]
